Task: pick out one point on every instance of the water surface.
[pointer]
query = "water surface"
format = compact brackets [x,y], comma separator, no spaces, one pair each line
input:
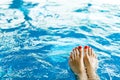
[37,36]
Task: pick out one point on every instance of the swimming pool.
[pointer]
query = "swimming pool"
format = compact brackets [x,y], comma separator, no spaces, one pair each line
[37,36]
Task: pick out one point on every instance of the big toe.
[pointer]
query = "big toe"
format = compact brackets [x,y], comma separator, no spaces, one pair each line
[86,56]
[86,51]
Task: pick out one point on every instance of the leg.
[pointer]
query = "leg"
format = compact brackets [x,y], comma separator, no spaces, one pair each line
[91,62]
[76,63]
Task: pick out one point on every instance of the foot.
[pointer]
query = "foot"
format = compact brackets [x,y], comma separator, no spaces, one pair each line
[76,63]
[90,61]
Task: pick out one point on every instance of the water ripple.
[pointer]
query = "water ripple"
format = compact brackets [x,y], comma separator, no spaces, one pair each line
[36,37]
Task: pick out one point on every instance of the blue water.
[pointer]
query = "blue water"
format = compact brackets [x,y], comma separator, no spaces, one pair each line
[37,36]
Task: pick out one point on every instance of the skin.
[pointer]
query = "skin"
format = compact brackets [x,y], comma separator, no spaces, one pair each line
[76,63]
[91,63]
[84,66]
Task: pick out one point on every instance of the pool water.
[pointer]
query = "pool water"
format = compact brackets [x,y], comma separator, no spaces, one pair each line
[37,36]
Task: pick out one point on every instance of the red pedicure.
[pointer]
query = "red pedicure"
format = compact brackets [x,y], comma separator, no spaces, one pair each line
[80,47]
[86,47]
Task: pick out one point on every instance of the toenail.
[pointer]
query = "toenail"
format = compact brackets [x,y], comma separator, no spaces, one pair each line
[86,47]
[80,47]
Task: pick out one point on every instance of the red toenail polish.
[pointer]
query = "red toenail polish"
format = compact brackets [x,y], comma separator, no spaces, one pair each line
[80,47]
[86,47]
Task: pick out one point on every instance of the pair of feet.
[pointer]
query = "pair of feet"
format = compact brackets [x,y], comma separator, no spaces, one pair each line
[84,65]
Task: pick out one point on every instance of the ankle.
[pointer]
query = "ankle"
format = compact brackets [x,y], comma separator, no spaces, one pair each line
[82,76]
[92,76]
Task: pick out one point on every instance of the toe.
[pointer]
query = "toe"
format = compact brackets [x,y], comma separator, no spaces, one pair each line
[86,51]
[92,53]
[80,51]
[77,52]
[71,56]
[95,55]
[89,51]
[74,53]
[70,59]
